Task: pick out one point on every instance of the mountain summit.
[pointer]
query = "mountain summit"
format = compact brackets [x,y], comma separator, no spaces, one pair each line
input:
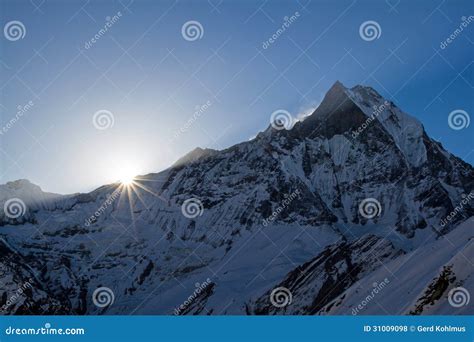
[356,194]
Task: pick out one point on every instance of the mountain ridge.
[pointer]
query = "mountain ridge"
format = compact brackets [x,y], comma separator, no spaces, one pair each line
[338,87]
[248,216]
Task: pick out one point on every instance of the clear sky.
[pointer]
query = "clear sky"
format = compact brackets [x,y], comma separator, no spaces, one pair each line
[150,79]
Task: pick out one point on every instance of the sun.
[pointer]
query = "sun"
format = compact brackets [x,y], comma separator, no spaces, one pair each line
[127,179]
[125,175]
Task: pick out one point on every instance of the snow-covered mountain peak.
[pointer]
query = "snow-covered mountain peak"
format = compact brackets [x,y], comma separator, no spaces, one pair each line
[195,155]
[360,110]
[23,189]
[21,184]
[335,98]
[317,208]
[407,132]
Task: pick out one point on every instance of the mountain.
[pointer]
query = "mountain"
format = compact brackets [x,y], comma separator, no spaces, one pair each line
[353,200]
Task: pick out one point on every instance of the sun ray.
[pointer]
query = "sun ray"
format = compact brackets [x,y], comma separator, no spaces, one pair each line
[122,196]
[131,185]
[150,191]
[133,188]
[131,207]
[127,180]
[142,179]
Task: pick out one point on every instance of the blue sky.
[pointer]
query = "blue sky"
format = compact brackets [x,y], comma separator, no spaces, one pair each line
[151,79]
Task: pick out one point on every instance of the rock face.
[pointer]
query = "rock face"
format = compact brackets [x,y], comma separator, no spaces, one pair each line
[318,210]
[318,281]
